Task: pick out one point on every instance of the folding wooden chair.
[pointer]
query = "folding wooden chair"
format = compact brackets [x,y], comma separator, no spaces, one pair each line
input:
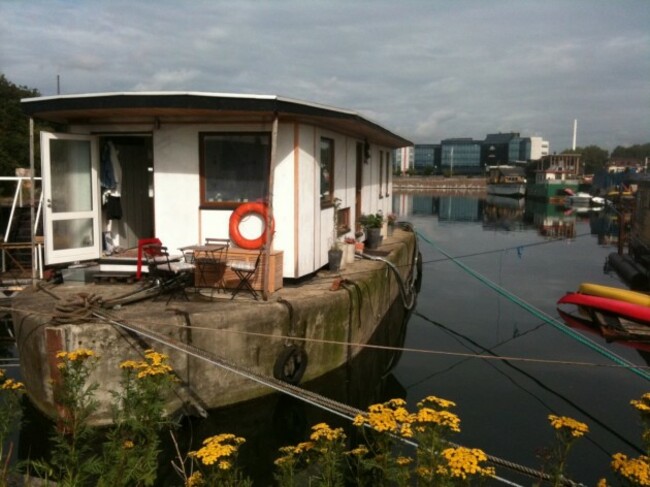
[171,276]
[245,271]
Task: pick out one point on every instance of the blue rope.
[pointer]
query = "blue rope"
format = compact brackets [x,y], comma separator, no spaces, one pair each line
[540,314]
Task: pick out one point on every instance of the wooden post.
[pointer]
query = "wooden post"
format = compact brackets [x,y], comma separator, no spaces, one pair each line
[269,219]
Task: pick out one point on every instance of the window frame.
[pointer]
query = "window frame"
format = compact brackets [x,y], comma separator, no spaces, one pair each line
[206,204]
[328,200]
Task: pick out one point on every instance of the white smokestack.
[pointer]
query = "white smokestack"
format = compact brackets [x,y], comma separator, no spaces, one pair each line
[575,133]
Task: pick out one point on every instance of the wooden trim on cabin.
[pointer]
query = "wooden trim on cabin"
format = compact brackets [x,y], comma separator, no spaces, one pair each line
[296,199]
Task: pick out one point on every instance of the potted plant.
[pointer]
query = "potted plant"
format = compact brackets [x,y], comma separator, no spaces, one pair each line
[372,224]
[335,253]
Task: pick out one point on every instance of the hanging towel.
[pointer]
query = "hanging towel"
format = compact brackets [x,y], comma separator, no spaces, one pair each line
[113,207]
[107,172]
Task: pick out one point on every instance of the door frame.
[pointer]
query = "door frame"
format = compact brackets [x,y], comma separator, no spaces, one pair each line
[71,254]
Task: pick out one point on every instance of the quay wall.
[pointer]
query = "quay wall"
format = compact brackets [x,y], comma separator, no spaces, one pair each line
[426,183]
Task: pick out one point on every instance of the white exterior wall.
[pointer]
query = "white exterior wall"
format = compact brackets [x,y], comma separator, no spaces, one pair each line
[538,148]
[303,231]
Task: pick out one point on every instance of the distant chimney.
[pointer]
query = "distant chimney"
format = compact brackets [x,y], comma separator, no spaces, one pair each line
[575,134]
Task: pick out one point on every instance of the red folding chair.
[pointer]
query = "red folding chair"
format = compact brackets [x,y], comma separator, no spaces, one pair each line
[142,242]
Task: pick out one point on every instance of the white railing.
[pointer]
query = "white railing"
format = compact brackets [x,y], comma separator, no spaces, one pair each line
[37,260]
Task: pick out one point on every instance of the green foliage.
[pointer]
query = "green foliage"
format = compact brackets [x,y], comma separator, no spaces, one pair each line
[14,127]
[638,151]
[73,460]
[372,220]
[593,157]
[133,444]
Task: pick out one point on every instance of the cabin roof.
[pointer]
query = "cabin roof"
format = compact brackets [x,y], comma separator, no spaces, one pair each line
[200,107]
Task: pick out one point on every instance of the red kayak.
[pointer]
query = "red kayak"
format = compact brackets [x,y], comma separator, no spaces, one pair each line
[609,306]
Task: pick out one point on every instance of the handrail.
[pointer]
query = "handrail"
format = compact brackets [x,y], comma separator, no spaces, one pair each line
[37,263]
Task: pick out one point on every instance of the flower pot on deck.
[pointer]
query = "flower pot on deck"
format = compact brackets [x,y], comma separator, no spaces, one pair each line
[334,257]
[373,238]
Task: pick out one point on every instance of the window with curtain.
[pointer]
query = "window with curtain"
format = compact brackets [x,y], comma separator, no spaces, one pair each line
[326,171]
[234,168]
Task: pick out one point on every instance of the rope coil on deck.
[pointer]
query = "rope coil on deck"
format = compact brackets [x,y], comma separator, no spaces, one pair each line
[78,308]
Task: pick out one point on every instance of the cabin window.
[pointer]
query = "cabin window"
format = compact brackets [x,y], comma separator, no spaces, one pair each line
[326,171]
[234,168]
[387,169]
[381,173]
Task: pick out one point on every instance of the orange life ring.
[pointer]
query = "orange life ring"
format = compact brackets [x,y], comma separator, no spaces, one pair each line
[235,219]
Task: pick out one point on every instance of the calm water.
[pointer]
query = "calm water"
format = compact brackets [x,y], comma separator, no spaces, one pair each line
[504,403]
[537,253]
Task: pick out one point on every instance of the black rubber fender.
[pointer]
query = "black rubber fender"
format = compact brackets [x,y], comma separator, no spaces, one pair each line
[291,364]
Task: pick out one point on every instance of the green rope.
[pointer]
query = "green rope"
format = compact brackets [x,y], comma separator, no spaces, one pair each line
[540,314]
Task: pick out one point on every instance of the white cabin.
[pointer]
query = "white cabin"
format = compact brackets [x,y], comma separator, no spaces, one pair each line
[175,165]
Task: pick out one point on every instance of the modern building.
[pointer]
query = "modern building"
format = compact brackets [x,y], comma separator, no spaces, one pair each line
[468,156]
[460,156]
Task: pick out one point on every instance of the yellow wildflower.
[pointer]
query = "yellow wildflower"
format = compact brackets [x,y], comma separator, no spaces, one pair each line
[602,483]
[218,449]
[359,451]
[323,432]
[130,364]
[445,419]
[2,373]
[436,401]
[403,461]
[195,480]
[78,355]
[643,404]
[562,423]
[463,462]
[636,470]
[12,385]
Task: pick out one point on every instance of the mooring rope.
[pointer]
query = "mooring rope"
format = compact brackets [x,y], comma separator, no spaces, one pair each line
[317,400]
[540,314]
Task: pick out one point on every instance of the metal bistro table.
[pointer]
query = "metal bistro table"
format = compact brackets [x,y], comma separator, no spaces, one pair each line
[210,263]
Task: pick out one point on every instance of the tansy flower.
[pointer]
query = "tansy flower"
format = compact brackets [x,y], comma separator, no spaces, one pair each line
[218,449]
[195,480]
[436,401]
[323,432]
[563,423]
[78,355]
[643,404]
[12,385]
[463,462]
[636,470]
[359,451]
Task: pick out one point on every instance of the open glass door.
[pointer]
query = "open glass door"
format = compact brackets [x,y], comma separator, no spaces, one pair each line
[71,217]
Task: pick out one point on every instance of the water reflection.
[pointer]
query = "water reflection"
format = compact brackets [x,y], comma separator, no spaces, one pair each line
[505,367]
[500,213]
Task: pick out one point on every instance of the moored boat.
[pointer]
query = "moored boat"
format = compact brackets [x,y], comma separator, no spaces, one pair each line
[264,176]
[506,180]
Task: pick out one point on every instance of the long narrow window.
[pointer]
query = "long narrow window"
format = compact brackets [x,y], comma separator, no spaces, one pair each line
[387,168]
[234,168]
[326,171]
[381,173]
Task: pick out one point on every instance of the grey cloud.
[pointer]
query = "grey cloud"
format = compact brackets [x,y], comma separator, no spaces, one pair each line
[426,69]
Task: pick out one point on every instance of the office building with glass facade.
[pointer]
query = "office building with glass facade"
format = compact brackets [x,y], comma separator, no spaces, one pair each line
[458,156]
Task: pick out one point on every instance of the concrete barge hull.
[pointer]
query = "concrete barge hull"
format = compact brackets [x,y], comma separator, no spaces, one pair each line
[329,317]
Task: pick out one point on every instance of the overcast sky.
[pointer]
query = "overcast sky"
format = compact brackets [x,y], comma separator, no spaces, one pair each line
[426,69]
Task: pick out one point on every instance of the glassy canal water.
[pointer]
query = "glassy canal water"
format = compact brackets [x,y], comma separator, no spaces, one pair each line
[506,368]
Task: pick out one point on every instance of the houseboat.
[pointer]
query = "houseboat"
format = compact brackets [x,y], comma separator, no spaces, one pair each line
[506,180]
[220,180]
[554,174]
